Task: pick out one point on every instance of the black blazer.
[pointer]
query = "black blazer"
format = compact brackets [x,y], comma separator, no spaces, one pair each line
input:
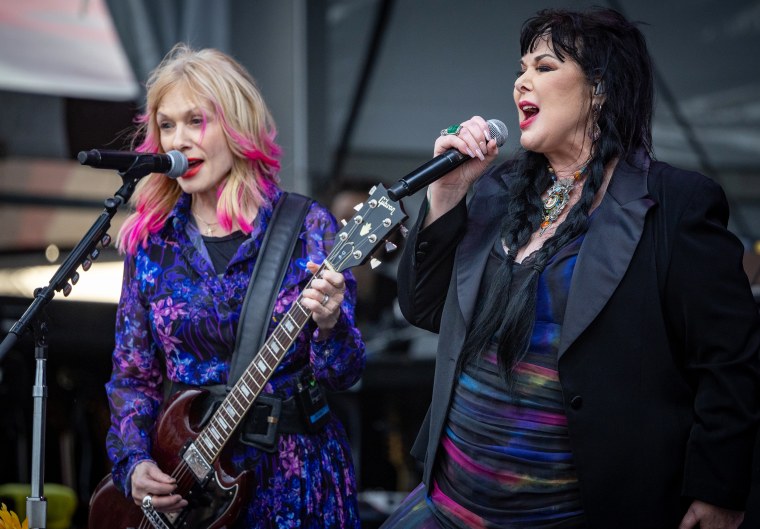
[659,352]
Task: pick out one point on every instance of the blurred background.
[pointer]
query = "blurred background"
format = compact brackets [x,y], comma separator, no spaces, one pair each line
[359,90]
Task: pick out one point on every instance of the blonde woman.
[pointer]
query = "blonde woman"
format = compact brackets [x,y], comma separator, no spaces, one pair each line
[191,245]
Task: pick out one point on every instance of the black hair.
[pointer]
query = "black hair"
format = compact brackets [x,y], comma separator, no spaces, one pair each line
[612,53]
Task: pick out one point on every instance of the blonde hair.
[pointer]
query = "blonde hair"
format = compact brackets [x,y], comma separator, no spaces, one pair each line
[214,78]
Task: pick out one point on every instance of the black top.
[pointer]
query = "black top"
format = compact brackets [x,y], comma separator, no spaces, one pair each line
[223,249]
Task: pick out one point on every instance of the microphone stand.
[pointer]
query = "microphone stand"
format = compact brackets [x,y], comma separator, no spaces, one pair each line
[83,254]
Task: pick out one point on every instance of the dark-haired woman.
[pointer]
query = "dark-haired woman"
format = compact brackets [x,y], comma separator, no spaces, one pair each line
[598,351]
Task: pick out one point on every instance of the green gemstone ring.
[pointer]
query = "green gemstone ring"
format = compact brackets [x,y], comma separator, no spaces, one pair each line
[454,129]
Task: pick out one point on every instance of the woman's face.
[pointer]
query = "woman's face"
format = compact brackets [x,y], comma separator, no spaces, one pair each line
[181,125]
[553,100]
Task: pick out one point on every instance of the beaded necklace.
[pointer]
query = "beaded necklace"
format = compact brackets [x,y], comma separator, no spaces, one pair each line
[558,196]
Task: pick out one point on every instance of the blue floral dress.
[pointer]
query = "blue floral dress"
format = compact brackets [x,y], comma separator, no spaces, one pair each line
[177,321]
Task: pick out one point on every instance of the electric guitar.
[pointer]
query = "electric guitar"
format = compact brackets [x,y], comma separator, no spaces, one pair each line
[192,449]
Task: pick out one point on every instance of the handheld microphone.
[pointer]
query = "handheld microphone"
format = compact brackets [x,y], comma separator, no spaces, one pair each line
[173,163]
[440,165]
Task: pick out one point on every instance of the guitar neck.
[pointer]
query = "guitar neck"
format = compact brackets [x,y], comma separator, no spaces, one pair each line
[354,244]
[238,401]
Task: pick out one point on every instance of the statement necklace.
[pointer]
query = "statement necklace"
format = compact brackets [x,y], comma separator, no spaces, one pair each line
[558,196]
[209,225]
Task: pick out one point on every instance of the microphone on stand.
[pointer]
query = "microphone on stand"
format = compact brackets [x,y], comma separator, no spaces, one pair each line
[174,164]
[440,165]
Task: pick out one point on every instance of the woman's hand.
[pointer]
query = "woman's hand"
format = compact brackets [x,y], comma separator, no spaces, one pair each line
[324,298]
[148,480]
[706,516]
[473,140]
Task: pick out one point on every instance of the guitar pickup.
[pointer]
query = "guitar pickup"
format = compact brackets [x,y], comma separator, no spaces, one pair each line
[197,464]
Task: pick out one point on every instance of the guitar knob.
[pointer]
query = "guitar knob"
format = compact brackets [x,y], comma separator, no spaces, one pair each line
[404,231]
[390,247]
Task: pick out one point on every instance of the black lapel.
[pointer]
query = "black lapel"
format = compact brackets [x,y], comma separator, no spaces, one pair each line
[608,247]
[472,254]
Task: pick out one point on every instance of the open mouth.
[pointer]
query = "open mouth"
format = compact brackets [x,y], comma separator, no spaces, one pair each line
[193,166]
[529,111]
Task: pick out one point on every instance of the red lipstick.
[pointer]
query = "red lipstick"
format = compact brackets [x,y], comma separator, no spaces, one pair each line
[530,111]
[195,166]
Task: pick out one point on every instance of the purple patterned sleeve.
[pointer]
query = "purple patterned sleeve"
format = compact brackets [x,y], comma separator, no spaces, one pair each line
[338,361]
[134,393]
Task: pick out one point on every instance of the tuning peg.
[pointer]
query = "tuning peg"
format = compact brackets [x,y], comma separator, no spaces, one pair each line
[75,278]
[66,289]
[358,207]
[105,241]
[390,247]
[86,264]
[404,231]
[343,222]
[374,263]
[94,254]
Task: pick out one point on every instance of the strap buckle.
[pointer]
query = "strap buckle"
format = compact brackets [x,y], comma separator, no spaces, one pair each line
[260,428]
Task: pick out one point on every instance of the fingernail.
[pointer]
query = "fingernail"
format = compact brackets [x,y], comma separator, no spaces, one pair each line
[480,154]
[488,134]
[470,153]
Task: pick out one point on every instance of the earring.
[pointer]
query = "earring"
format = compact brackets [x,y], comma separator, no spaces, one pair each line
[595,132]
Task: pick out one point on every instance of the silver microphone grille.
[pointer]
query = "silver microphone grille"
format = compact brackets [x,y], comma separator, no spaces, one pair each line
[179,164]
[498,131]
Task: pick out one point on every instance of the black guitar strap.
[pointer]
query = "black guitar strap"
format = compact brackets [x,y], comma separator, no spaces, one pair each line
[268,273]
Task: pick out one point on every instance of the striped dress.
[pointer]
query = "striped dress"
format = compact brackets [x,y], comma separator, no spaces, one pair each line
[505,458]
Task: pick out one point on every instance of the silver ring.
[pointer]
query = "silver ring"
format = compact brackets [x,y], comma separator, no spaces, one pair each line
[147,502]
[325,299]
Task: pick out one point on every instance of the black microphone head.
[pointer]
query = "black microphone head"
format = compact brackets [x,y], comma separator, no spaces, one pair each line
[498,131]
[179,164]
[88,157]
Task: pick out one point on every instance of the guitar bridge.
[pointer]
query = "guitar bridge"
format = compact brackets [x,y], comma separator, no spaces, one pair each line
[155,519]
[197,464]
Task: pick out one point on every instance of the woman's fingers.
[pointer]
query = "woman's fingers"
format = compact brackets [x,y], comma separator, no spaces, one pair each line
[149,481]
[472,139]
[324,296]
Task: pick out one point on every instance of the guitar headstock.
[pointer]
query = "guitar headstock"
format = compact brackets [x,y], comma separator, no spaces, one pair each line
[376,219]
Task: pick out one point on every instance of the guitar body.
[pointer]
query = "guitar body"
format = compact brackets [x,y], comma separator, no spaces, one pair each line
[213,505]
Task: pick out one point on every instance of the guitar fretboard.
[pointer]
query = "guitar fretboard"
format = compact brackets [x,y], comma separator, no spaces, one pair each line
[353,245]
[238,401]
